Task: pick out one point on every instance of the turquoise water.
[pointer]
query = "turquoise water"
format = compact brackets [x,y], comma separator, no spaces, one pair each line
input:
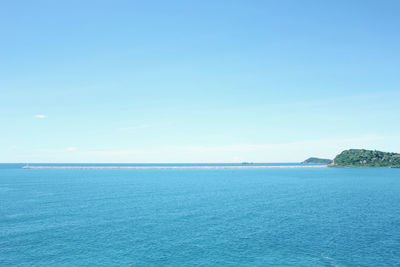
[217,217]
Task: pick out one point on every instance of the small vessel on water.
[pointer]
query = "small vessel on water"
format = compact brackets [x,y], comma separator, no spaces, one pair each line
[246,163]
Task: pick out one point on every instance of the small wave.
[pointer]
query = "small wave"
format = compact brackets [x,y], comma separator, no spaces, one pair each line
[330,261]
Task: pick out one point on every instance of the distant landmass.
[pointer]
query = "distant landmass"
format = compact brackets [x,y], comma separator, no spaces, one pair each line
[366,158]
[314,160]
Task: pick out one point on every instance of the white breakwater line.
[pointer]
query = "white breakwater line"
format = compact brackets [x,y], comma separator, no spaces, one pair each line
[176,167]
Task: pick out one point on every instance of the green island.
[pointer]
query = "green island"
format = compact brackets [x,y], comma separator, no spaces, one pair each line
[314,160]
[366,158]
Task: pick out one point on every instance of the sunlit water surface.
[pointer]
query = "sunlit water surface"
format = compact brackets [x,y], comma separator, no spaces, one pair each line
[210,217]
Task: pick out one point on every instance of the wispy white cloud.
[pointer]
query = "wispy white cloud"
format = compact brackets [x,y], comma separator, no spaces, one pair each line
[262,152]
[267,152]
[40,116]
[57,151]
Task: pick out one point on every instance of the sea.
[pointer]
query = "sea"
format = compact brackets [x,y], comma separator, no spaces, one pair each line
[199,217]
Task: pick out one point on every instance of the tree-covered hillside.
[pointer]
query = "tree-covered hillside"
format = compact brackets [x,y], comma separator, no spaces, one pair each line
[366,158]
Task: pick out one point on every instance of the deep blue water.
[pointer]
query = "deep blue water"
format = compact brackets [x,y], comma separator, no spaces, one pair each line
[216,217]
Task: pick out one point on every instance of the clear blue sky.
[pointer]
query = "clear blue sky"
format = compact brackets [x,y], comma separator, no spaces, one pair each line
[197,81]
